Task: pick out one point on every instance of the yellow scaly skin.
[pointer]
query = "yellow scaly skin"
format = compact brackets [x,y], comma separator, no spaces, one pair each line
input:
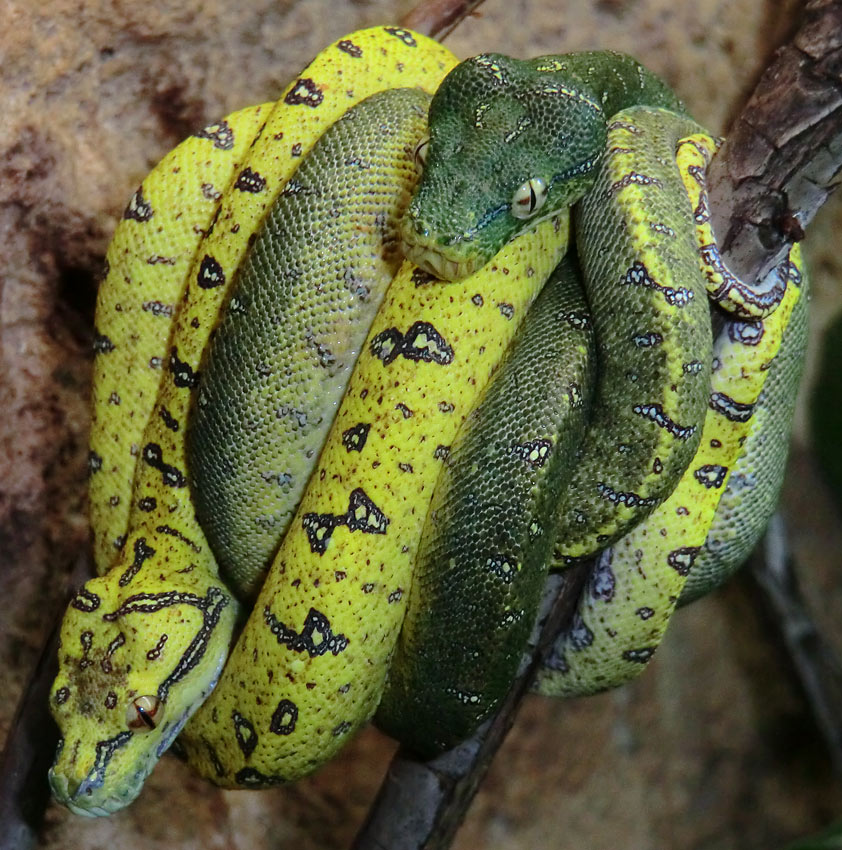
[160,623]
[146,267]
[234,739]
[632,592]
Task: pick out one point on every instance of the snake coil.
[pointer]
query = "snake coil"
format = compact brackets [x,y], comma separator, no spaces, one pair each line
[274,233]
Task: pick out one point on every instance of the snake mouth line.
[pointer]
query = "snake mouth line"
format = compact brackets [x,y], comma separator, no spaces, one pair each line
[437,264]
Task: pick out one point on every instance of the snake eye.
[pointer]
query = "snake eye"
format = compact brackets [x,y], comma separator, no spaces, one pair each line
[144,713]
[529,197]
[420,153]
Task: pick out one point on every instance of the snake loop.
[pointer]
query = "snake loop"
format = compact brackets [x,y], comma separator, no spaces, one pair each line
[247,284]
[148,537]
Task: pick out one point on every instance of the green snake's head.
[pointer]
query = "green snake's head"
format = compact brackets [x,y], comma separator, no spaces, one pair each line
[510,144]
[133,666]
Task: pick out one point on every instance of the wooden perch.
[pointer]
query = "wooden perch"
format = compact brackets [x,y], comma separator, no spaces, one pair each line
[783,154]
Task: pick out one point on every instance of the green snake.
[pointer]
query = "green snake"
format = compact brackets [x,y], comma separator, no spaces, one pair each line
[274,234]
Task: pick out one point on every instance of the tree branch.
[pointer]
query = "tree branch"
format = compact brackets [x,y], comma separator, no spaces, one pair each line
[783,154]
[438,18]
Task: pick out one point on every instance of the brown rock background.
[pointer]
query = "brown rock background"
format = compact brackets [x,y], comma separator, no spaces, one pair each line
[712,749]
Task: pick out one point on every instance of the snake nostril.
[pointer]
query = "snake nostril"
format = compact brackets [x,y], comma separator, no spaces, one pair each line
[420,228]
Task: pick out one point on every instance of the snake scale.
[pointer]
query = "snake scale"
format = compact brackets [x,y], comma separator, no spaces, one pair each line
[255,286]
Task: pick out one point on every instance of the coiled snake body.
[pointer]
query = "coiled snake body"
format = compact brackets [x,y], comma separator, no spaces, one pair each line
[537,476]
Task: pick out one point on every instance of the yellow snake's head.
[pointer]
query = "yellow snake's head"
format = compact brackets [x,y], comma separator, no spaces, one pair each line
[134,664]
[510,145]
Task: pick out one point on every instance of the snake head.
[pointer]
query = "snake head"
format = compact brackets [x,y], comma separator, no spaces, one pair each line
[511,143]
[133,667]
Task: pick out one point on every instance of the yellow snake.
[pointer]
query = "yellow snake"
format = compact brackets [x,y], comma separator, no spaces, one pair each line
[143,645]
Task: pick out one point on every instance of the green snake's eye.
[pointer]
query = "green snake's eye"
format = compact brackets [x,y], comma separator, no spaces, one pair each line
[529,197]
[420,153]
[144,713]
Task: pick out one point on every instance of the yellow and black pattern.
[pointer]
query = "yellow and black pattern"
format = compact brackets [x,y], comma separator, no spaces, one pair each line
[92,705]
[143,646]
[632,592]
[328,614]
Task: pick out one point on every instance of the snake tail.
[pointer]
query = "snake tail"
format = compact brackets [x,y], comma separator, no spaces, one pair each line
[756,479]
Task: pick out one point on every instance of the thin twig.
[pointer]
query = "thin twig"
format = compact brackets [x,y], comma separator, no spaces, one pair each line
[816,664]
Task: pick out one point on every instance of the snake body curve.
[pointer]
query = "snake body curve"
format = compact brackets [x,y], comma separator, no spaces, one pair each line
[160,622]
[652,329]
[239,737]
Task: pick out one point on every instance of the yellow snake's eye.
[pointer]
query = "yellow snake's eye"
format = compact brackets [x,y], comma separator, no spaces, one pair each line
[144,713]
[529,197]
[420,153]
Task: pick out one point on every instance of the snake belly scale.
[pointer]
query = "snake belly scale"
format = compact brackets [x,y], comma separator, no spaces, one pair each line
[143,646]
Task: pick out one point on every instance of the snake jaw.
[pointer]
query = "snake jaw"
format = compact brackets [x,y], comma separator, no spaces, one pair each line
[437,264]
[441,260]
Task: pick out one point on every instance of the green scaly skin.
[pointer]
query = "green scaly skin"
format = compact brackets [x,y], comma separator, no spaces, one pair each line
[632,590]
[489,533]
[496,122]
[756,479]
[651,320]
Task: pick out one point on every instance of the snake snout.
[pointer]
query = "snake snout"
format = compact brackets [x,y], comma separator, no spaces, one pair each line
[443,258]
[85,795]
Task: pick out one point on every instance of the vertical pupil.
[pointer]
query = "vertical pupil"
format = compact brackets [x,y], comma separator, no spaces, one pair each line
[532,198]
[145,716]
